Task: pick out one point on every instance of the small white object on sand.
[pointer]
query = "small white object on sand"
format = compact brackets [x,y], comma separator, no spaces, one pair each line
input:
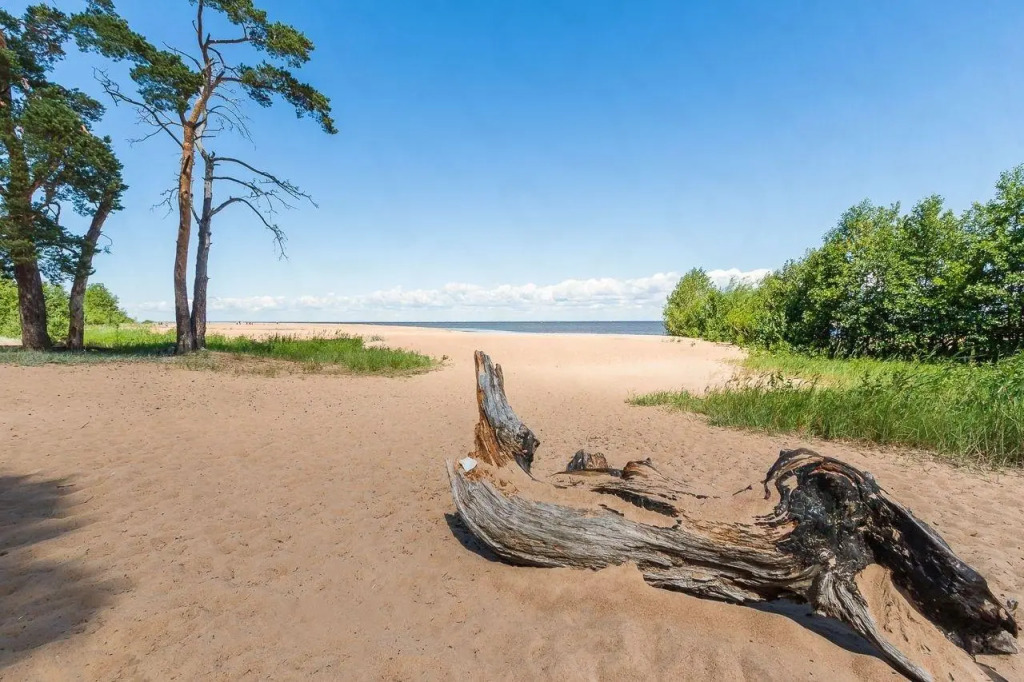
[468,464]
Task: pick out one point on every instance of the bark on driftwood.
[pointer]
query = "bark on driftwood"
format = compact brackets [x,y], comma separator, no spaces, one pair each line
[831,521]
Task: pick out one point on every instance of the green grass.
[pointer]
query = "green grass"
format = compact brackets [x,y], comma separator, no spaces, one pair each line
[830,370]
[135,343]
[346,351]
[968,414]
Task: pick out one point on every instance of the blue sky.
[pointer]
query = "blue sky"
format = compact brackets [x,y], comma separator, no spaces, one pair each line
[567,159]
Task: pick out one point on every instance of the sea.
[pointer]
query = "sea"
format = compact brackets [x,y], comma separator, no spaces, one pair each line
[644,328]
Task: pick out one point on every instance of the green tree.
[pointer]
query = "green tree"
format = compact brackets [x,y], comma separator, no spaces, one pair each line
[38,122]
[995,281]
[263,194]
[184,99]
[739,314]
[770,305]
[97,189]
[692,306]
[928,313]
[49,158]
[883,283]
[103,307]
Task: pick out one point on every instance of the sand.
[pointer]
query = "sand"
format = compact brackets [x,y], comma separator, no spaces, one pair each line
[162,523]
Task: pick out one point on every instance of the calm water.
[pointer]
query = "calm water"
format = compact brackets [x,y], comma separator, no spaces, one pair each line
[646,328]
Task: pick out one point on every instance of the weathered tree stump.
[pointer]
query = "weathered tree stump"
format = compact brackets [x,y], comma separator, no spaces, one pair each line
[834,539]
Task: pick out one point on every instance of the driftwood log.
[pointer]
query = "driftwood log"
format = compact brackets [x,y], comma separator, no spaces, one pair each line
[830,522]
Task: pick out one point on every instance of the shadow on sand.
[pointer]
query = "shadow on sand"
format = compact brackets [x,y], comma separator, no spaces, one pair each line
[41,600]
[831,629]
[468,540]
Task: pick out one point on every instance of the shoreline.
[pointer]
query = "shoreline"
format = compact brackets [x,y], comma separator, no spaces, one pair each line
[370,328]
[467,326]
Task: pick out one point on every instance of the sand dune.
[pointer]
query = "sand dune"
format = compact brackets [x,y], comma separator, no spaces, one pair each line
[163,523]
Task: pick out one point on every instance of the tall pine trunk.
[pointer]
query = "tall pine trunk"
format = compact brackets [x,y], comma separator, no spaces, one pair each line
[76,330]
[186,340]
[31,304]
[203,255]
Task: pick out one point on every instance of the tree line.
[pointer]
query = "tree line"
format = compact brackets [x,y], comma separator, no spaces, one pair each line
[52,162]
[884,283]
[99,307]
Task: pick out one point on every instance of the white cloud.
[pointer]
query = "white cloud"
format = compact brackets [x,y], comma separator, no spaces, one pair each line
[724,277]
[594,297]
[152,306]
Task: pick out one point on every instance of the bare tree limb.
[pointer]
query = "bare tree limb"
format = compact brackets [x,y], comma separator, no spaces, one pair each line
[170,197]
[279,236]
[230,41]
[199,29]
[289,188]
[147,114]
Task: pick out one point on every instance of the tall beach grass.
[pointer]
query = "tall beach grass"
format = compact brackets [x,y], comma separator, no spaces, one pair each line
[967,413]
[135,343]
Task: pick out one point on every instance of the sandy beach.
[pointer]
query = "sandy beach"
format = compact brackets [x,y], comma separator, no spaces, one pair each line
[164,523]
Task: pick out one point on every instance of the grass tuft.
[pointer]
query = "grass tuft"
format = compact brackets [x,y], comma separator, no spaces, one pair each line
[311,355]
[969,414]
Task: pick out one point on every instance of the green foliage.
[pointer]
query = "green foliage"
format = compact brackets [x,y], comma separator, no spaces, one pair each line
[884,283]
[48,154]
[56,310]
[825,370]
[691,309]
[57,314]
[698,309]
[164,80]
[35,42]
[167,84]
[103,308]
[10,327]
[972,414]
[49,159]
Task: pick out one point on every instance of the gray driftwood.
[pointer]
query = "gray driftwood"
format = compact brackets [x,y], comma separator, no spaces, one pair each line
[830,522]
